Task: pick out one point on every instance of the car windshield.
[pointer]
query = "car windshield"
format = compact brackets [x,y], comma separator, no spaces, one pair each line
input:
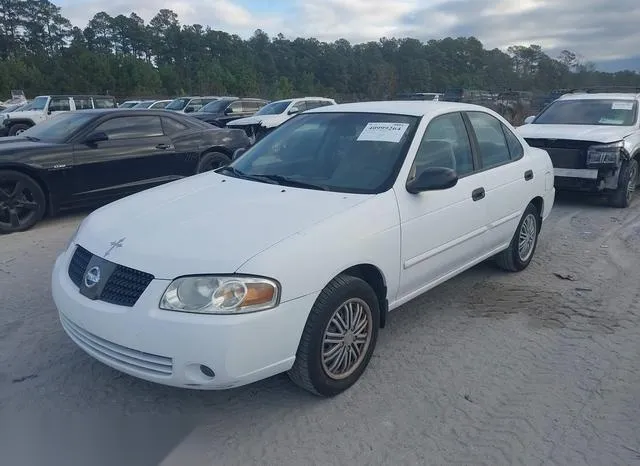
[39,103]
[146,104]
[58,128]
[178,104]
[215,107]
[274,108]
[599,112]
[344,152]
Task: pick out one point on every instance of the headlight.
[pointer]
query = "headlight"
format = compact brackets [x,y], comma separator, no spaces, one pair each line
[212,294]
[606,154]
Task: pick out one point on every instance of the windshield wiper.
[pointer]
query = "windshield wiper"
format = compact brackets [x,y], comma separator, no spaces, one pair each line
[237,173]
[283,180]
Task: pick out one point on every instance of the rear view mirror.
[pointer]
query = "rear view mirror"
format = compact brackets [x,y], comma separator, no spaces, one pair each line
[238,153]
[529,120]
[96,137]
[433,179]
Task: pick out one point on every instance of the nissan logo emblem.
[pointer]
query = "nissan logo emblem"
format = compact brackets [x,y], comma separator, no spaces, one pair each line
[92,277]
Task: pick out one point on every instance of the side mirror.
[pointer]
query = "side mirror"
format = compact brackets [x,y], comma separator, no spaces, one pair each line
[94,138]
[293,110]
[238,153]
[433,179]
[529,119]
[228,111]
[189,110]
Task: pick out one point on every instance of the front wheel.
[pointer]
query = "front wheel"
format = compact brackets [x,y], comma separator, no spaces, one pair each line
[523,244]
[17,129]
[22,202]
[628,180]
[339,337]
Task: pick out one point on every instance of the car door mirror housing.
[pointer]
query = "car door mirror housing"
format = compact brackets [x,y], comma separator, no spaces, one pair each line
[238,153]
[529,119]
[433,179]
[96,137]
[293,110]
[228,111]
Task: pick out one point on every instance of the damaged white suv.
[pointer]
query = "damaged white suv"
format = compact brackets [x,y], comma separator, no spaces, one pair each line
[593,139]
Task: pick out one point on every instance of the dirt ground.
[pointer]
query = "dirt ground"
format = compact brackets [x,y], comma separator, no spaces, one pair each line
[490,368]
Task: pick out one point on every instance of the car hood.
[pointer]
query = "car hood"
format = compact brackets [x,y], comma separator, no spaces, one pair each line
[21,114]
[13,145]
[206,223]
[265,120]
[604,134]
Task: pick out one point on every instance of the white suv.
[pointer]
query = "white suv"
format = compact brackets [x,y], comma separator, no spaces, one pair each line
[593,139]
[341,215]
[275,113]
[44,107]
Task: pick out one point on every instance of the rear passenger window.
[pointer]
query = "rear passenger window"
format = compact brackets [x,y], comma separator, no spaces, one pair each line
[492,143]
[172,126]
[515,148]
[82,103]
[445,144]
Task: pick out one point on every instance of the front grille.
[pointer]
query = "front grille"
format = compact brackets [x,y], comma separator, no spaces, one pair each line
[564,153]
[123,287]
[151,364]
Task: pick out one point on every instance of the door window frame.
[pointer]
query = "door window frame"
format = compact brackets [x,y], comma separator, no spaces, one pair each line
[116,117]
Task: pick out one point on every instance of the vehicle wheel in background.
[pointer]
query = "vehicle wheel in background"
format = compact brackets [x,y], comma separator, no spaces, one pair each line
[22,202]
[523,244]
[339,337]
[627,182]
[18,128]
[211,161]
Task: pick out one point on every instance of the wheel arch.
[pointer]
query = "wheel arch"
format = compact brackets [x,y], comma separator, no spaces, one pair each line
[376,279]
[33,173]
[538,203]
[20,121]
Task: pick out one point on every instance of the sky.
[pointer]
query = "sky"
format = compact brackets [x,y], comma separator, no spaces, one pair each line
[597,30]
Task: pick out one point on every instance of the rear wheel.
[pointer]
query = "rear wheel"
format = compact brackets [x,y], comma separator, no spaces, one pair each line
[212,161]
[523,244]
[339,337]
[22,202]
[18,128]
[628,180]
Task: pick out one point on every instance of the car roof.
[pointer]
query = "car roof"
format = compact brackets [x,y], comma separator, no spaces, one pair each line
[400,107]
[603,95]
[121,111]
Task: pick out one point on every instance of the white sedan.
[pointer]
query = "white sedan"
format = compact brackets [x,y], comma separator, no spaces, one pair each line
[290,258]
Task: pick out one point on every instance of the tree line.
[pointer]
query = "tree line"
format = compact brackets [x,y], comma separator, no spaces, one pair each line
[42,52]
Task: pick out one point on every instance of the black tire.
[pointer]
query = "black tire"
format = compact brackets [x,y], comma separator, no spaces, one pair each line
[309,371]
[22,202]
[18,128]
[211,161]
[511,259]
[627,181]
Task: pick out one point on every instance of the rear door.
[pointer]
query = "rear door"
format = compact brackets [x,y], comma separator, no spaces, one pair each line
[508,185]
[133,158]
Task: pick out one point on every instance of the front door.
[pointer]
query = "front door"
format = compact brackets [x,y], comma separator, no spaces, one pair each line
[442,231]
[130,160]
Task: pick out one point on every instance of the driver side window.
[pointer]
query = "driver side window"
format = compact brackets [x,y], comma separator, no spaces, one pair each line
[445,144]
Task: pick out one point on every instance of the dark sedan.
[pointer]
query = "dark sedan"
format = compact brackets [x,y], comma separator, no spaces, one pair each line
[87,158]
[226,109]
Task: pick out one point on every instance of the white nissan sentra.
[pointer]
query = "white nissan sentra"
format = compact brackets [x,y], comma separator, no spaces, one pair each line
[290,258]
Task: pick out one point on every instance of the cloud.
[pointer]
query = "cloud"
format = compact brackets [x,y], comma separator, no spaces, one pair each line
[596,29]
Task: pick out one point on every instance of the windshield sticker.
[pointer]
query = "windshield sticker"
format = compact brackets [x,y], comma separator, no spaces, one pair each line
[610,121]
[622,106]
[383,132]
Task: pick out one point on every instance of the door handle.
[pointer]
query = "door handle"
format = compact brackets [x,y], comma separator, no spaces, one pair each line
[477,194]
[528,175]
[164,146]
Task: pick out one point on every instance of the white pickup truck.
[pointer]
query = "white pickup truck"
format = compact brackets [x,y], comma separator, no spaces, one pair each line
[44,107]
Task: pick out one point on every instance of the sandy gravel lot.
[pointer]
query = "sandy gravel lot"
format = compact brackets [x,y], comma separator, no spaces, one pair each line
[488,369]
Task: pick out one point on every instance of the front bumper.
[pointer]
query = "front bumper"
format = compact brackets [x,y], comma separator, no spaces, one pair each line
[586,179]
[169,348]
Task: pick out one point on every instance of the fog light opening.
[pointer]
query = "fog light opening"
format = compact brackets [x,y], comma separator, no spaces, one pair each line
[207,371]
